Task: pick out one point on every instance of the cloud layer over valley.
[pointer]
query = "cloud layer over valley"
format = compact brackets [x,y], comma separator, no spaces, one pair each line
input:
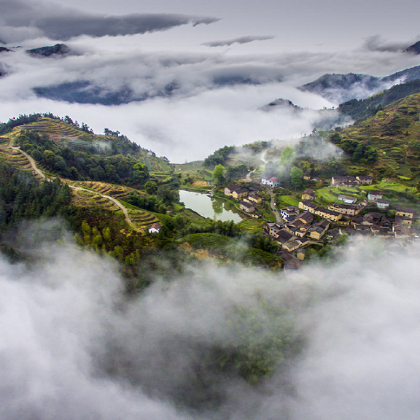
[74,347]
[151,75]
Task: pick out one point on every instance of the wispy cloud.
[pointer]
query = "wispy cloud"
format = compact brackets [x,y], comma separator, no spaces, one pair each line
[240,40]
[22,19]
[378,43]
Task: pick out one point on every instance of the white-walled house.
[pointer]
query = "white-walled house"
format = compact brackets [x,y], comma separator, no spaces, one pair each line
[271,182]
[375,195]
[155,228]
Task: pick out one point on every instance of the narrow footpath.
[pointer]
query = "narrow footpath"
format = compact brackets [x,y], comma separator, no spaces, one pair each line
[273,205]
[116,202]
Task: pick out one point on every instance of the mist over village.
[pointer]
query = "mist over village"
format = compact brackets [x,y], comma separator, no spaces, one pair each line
[209,210]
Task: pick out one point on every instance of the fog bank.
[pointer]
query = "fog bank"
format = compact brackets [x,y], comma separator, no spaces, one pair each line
[74,347]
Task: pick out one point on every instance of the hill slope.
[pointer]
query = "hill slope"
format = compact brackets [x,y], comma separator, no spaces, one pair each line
[365,108]
[395,132]
[341,88]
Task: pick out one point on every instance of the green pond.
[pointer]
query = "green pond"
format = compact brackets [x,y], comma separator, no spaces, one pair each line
[214,208]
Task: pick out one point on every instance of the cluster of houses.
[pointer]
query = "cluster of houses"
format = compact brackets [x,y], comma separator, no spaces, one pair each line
[350,181]
[297,230]
[377,224]
[309,223]
[249,198]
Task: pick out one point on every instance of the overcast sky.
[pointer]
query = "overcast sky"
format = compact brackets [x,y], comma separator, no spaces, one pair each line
[225,59]
[302,24]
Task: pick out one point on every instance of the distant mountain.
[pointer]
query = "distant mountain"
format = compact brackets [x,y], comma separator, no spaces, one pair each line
[414,49]
[55,50]
[285,103]
[4,49]
[365,108]
[341,88]
[83,92]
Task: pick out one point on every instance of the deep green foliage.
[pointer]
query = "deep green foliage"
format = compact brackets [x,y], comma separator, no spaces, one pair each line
[15,122]
[359,150]
[80,165]
[146,202]
[218,174]
[22,196]
[235,172]
[296,177]
[219,156]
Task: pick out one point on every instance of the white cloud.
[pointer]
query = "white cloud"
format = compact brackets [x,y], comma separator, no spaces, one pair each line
[73,347]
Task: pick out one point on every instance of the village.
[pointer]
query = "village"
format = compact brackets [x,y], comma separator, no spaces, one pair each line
[297,228]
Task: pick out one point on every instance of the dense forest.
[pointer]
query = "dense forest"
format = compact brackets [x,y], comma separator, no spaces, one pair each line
[81,165]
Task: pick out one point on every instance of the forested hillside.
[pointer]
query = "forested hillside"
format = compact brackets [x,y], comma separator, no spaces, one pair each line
[394,132]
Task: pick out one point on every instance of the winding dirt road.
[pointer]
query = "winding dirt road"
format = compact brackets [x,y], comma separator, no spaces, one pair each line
[116,202]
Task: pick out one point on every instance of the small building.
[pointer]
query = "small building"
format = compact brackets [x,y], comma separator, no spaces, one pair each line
[306,217]
[404,212]
[294,244]
[308,195]
[247,207]
[240,193]
[333,234]
[236,192]
[283,236]
[364,180]
[348,209]
[372,218]
[343,181]
[301,254]
[331,215]
[155,228]
[273,229]
[346,199]
[318,230]
[288,212]
[254,198]
[374,195]
[271,182]
[382,204]
[308,206]
[403,221]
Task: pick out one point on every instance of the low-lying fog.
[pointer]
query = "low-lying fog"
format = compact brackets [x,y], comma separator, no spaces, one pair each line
[74,347]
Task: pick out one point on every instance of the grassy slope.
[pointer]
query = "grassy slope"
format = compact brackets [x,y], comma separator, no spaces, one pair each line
[392,132]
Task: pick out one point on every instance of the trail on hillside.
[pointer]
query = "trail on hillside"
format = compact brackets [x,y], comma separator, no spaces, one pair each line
[42,175]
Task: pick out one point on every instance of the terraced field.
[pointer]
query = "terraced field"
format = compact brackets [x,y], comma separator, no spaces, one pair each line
[54,128]
[395,132]
[117,191]
[142,219]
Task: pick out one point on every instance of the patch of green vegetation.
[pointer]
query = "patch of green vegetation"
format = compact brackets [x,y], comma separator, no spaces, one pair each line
[253,225]
[212,241]
[289,200]
[326,195]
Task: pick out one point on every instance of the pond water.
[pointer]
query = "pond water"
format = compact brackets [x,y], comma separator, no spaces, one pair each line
[214,208]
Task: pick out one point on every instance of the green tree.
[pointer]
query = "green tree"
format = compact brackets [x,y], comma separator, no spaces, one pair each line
[218,174]
[287,156]
[151,187]
[296,176]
